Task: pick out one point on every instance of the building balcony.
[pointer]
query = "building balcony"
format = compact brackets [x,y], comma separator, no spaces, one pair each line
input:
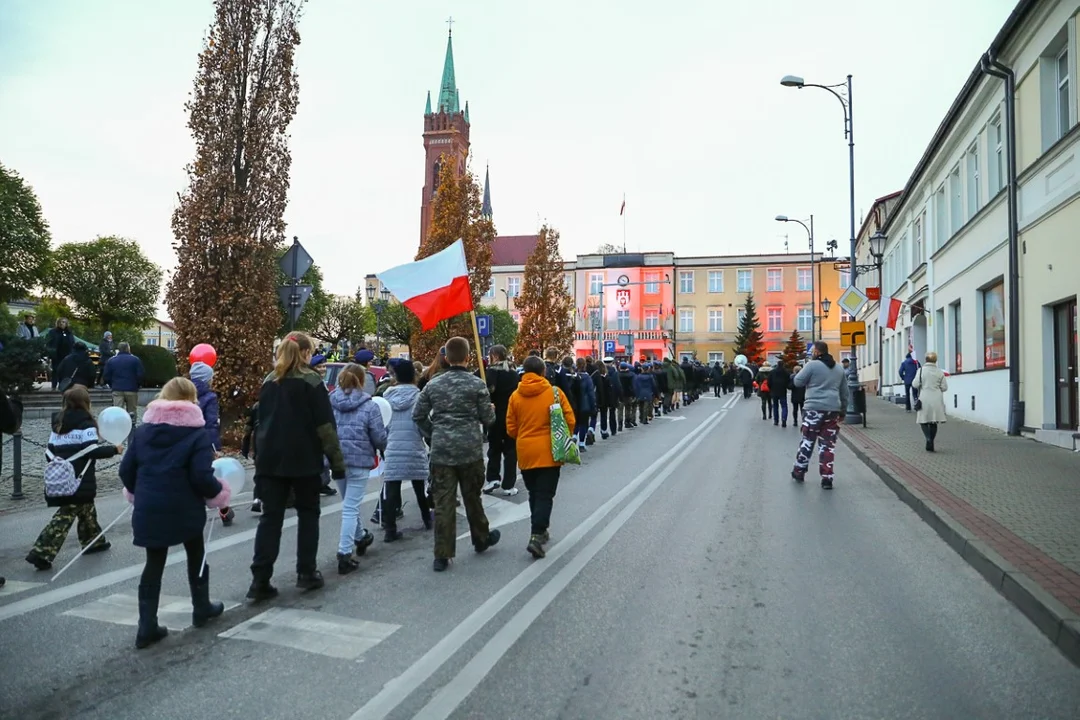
[590,335]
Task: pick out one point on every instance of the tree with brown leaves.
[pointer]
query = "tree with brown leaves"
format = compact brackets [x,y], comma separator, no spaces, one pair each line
[457,214]
[228,225]
[547,310]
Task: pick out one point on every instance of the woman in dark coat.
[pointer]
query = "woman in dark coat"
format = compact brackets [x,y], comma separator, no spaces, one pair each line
[168,475]
[78,368]
[59,341]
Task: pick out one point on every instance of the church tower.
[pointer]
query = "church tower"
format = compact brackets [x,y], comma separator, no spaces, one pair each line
[446,133]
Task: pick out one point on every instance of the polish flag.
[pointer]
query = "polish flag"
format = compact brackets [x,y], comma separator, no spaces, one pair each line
[435,288]
[623,206]
[890,311]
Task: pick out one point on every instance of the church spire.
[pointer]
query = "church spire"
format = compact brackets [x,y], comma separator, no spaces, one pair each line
[485,210]
[427,108]
[448,92]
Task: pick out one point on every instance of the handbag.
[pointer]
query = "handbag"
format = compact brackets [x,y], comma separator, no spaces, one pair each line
[564,448]
[918,400]
[67,382]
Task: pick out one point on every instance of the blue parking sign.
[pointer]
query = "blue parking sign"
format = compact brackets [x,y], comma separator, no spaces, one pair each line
[483,325]
[609,347]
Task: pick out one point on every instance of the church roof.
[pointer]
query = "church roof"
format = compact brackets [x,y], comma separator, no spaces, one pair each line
[427,108]
[448,92]
[512,249]
[485,210]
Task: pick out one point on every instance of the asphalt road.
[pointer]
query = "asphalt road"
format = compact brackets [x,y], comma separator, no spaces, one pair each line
[688,577]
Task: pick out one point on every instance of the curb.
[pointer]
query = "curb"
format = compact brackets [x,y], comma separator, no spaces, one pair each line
[1057,622]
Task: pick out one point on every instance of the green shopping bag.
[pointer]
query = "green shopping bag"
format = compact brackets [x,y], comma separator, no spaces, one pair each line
[564,447]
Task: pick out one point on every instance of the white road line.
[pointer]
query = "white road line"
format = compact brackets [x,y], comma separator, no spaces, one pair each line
[400,688]
[447,700]
[314,632]
[66,592]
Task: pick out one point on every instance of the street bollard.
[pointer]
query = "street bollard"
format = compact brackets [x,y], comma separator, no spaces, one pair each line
[16,465]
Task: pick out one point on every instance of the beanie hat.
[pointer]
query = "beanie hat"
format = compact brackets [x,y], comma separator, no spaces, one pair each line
[403,371]
[202,372]
[364,357]
[318,360]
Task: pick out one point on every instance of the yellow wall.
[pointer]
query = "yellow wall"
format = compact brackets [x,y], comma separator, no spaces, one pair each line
[1028,120]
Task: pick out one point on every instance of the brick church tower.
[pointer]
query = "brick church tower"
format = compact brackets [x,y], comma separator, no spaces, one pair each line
[446,133]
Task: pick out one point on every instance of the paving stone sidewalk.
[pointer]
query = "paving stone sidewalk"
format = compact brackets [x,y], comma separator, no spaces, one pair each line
[1009,506]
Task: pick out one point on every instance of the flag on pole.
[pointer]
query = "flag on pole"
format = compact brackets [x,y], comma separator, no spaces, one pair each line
[890,311]
[623,207]
[435,288]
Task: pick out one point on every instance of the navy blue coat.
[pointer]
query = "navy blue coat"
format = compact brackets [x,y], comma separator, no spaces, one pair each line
[123,373]
[908,369]
[208,403]
[644,389]
[168,468]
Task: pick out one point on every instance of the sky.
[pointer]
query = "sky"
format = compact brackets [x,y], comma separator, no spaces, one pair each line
[573,104]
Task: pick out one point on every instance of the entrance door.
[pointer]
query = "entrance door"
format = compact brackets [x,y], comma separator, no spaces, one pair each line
[1065,366]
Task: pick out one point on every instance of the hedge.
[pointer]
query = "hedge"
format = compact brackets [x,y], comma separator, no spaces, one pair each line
[20,363]
[159,364]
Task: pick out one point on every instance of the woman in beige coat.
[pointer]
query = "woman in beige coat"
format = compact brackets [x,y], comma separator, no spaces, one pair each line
[931,383]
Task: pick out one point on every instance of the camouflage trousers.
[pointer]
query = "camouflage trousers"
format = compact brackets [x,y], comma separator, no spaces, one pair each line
[55,533]
[823,428]
[445,480]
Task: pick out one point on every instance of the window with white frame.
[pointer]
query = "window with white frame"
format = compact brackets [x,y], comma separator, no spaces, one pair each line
[652,283]
[151,341]
[956,201]
[745,281]
[652,319]
[491,289]
[845,278]
[996,143]
[716,281]
[622,319]
[716,320]
[596,283]
[974,197]
[775,319]
[513,286]
[594,319]
[805,279]
[685,356]
[845,316]
[741,315]
[1062,98]
[941,219]
[716,356]
[686,321]
[686,282]
[171,343]
[917,248]
[774,280]
[806,320]
[568,283]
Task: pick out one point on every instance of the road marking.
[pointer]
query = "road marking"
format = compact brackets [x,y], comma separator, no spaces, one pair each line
[499,512]
[672,418]
[313,632]
[396,691]
[731,402]
[447,699]
[66,592]
[174,612]
[14,587]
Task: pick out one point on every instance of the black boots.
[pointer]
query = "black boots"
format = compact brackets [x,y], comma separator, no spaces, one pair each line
[202,609]
[149,631]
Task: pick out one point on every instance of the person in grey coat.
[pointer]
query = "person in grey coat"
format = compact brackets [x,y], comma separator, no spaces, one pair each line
[406,453]
[823,411]
[931,385]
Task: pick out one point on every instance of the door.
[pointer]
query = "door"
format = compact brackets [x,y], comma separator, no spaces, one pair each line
[1065,366]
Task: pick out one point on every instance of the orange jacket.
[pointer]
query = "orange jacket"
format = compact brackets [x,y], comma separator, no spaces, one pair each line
[528,421]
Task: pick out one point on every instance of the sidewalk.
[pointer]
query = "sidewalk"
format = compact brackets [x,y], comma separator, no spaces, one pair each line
[1009,506]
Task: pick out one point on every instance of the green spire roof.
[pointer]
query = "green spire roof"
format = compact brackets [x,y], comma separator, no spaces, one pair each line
[448,93]
[485,210]
[467,111]
[427,108]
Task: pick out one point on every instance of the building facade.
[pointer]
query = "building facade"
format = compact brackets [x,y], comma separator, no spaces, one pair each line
[161,333]
[871,276]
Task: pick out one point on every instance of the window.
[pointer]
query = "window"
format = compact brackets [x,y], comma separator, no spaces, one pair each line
[686,282]
[568,283]
[996,141]
[1062,97]
[686,321]
[622,319]
[513,286]
[716,281]
[956,209]
[596,283]
[741,316]
[171,344]
[805,279]
[993,300]
[151,341]
[491,289]
[686,356]
[774,280]
[775,319]
[806,320]
[652,319]
[845,278]
[917,248]
[745,281]
[716,357]
[716,320]
[957,344]
[594,319]
[652,283]
[941,220]
[846,317]
[973,193]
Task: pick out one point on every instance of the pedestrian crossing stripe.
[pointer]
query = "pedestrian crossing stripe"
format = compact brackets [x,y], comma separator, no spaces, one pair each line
[313,632]
[14,587]
[500,512]
[174,612]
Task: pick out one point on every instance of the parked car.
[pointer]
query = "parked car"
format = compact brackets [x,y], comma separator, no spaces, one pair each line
[334,369]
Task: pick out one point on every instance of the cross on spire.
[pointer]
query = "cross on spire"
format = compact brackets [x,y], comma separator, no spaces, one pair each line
[450,24]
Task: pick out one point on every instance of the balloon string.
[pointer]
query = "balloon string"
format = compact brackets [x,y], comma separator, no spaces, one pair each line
[206,549]
[92,543]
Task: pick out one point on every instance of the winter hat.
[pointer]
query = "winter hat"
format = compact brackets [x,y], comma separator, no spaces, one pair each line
[403,371]
[624,366]
[364,357]
[202,372]
[318,360]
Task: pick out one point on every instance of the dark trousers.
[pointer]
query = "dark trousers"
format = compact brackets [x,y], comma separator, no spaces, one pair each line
[52,376]
[502,455]
[609,420]
[445,480]
[747,391]
[779,405]
[796,408]
[274,491]
[909,392]
[391,502]
[584,424]
[929,431]
[541,484]
[766,408]
[156,557]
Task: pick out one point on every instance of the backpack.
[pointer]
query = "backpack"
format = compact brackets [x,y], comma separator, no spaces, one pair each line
[765,385]
[60,478]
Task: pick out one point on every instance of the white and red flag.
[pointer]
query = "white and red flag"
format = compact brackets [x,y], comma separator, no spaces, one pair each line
[435,288]
[890,311]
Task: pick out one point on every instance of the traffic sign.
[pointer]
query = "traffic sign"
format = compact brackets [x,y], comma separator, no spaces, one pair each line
[295,262]
[293,299]
[484,324]
[852,333]
[852,300]
[609,347]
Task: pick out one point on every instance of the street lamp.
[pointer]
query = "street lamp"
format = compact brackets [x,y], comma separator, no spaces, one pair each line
[825,305]
[507,294]
[810,232]
[877,250]
[794,81]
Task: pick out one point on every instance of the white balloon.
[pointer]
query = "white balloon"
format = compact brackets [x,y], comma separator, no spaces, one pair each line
[740,360]
[230,472]
[114,425]
[385,409]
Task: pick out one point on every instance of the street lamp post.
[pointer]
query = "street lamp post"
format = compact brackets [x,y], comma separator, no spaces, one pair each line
[877,250]
[378,307]
[507,294]
[795,81]
[810,232]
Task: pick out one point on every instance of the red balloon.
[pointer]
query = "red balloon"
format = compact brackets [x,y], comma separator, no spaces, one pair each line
[203,353]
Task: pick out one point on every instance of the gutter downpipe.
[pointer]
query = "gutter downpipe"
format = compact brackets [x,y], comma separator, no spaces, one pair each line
[990,65]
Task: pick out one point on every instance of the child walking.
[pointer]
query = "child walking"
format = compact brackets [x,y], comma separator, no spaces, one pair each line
[406,452]
[169,477]
[202,375]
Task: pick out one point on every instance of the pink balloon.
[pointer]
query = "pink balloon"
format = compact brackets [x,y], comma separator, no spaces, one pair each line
[203,353]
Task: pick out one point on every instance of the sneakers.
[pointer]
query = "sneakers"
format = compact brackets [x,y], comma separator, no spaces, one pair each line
[310,581]
[545,537]
[261,590]
[603,435]
[38,561]
[345,565]
[99,547]
[492,541]
[227,516]
[393,536]
[826,484]
[440,564]
[536,546]
[491,486]
[364,543]
[327,491]
[256,506]
[509,492]
[798,476]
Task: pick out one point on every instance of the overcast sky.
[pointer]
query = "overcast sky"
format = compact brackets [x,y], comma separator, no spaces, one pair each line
[573,103]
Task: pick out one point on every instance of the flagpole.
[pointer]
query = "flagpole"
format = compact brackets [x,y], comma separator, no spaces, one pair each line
[624,223]
[479,350]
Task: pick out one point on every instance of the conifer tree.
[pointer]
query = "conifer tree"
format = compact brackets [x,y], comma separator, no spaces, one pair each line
[547,310]
[750,341]
[795,350]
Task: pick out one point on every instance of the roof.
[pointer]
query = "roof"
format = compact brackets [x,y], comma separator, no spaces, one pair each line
[486,209]
[512,249]
[884,199]
[448,92]
[165,323]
